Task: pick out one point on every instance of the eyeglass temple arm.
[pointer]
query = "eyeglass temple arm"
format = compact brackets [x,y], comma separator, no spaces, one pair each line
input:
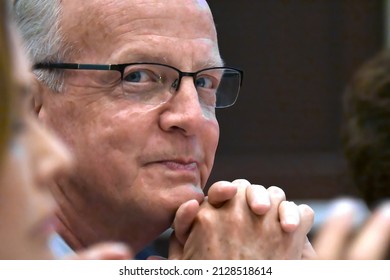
[74,66]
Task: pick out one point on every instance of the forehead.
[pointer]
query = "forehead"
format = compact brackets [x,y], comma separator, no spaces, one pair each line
[106,26]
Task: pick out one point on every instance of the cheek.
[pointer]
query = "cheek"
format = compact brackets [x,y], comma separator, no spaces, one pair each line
[213,137]
[124,133]
[210,142]
[16,196]
[109,147]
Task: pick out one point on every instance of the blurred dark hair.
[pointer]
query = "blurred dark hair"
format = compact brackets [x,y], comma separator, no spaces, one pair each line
[366,128]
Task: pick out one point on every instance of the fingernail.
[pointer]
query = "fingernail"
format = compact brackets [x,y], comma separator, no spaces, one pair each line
[262,200]
[291,220]
[342,206]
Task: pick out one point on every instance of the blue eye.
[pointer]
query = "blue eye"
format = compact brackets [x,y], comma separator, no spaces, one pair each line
[135,77]
[204,82]
[142,76]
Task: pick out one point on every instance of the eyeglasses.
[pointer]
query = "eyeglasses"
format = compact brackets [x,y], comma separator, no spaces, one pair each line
[155,83]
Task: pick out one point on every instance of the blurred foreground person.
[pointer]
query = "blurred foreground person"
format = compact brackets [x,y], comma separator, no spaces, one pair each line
[30,159]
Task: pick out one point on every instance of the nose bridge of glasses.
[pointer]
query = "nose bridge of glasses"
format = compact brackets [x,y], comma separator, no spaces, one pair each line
[181,75]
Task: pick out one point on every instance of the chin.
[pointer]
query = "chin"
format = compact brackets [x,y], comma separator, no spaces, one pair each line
[189,193]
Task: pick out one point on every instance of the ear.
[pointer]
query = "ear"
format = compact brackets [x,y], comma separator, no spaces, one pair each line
[37,95]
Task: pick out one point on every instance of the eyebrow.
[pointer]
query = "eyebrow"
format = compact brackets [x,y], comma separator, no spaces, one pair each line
[213,63]
[143,57]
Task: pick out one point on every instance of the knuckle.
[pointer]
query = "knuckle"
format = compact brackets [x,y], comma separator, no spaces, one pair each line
[306,211]
[290,205]
[220,184]
[258,187]
[276,192]
[241,182]
[205,217]
[219,188]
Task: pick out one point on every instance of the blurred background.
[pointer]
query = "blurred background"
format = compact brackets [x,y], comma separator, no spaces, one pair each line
[298,56]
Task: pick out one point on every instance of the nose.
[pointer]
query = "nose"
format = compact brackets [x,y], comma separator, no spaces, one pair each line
[185,113]
[50,157]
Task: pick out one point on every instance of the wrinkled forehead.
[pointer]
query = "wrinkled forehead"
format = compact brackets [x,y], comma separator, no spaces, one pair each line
[99,22]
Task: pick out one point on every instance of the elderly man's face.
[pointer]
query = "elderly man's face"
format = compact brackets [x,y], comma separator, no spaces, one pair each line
[136,162]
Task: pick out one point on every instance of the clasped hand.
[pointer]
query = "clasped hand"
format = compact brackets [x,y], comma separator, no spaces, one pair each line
[240,220]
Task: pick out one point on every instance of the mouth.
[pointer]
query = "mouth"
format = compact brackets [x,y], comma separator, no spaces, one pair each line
[178,165]
[175,170]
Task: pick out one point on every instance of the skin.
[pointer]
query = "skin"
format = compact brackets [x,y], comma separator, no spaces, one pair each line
[268,240]
[33,159]
[27,208]
[136,164]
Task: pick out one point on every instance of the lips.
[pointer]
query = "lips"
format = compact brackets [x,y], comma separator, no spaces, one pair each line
[182,175]
[180,165]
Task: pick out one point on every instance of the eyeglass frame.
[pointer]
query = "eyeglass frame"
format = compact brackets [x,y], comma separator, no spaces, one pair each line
[121,68]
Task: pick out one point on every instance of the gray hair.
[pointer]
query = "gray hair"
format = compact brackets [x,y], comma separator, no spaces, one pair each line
[39,24]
